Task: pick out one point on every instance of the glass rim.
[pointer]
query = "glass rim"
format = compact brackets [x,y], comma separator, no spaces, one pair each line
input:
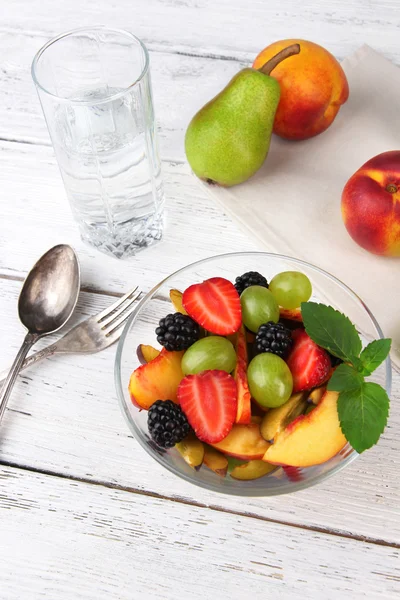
[73,32]
[243,492]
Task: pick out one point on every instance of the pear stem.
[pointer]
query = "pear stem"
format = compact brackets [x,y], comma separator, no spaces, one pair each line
[275,60]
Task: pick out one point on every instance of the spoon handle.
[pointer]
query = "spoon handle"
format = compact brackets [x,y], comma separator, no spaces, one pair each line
[28,342]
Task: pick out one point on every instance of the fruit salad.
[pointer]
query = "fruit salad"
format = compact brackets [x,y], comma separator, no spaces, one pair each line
[239,385]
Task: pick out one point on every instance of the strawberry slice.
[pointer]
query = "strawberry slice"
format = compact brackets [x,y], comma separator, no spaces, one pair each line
[309,364]
[215,305]
[209,400]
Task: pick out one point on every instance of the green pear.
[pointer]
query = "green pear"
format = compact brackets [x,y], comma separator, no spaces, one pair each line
[228,140]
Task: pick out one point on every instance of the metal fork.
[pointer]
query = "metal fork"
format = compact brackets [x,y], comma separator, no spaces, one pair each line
[90,336]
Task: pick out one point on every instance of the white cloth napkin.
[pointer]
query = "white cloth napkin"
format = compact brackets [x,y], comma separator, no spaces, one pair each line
[292,205]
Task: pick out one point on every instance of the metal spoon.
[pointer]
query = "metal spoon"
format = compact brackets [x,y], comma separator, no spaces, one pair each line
[46,302]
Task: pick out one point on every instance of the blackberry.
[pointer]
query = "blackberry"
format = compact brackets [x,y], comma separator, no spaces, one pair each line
[167,423]
[248,279]
[177,332]
[275,338]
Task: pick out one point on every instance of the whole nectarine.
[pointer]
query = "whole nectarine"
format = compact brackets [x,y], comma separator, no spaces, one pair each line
[371,204]
[313,87]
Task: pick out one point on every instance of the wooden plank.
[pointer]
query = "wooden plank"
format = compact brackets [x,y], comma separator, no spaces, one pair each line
[177,95]
[195,226]
[224,27]
[65,539]
[65,418]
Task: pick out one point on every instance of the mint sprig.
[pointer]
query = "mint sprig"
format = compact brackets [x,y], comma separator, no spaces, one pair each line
[345,378]
[363,414]
[363,406]
[332,330]
[373,355]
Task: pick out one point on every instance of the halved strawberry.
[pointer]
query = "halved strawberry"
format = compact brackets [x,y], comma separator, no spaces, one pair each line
[309,364]
[209,401]
[215,305]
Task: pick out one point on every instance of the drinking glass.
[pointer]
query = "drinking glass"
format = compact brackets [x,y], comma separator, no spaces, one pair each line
[95,90]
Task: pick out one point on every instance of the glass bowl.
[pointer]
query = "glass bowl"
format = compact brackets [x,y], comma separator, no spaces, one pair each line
[156,304]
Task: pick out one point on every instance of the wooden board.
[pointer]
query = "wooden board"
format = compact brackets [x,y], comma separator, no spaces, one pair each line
[86,512]
[65,418]
[228,28]
[67,539]
[195,226]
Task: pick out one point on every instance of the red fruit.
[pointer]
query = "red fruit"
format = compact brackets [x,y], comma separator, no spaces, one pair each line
[215,305]
[240,375]
[309,364]
[209,400]
[293,473]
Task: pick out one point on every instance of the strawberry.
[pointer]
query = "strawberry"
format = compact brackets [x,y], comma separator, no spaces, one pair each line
[215,305]
[209,400]
[309,364]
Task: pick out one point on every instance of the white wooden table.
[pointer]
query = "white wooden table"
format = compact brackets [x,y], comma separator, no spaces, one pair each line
[84,512]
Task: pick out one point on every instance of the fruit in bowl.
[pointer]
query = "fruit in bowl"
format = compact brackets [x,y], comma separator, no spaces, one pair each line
[252,376]
[231,434]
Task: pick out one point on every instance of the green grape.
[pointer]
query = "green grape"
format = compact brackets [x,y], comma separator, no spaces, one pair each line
[258,306]
[291,288]
[270,380]
[212,352]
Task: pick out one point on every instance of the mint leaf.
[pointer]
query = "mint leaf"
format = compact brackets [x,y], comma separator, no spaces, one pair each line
[332,330]
[345,378]
[363,414]
[374,354]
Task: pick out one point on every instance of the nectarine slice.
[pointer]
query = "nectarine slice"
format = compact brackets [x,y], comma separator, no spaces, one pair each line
[291,314]
[310,439]
[156,380]
[192,451]
[215,461]
[316,395]
[254,469]
[176,299]
[244,442]
[243,414]
[277,419]
[146,353]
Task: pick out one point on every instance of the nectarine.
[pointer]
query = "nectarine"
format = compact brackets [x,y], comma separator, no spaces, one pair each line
[310,439]
[313,87]
[156,380]
[216,461]
[254,469]
[371,204]
[243,441]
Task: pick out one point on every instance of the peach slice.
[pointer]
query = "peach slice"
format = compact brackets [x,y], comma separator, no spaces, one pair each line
[244,442]
[277,419]
[256,419]
[254,469]
[310,439]
[243,414]
[316,395]
[192,451]
[176,299]
[291,314]
[146,353]
[156,380]
[215,461]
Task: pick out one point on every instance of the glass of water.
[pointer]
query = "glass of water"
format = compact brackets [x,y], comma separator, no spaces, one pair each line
[95,90]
